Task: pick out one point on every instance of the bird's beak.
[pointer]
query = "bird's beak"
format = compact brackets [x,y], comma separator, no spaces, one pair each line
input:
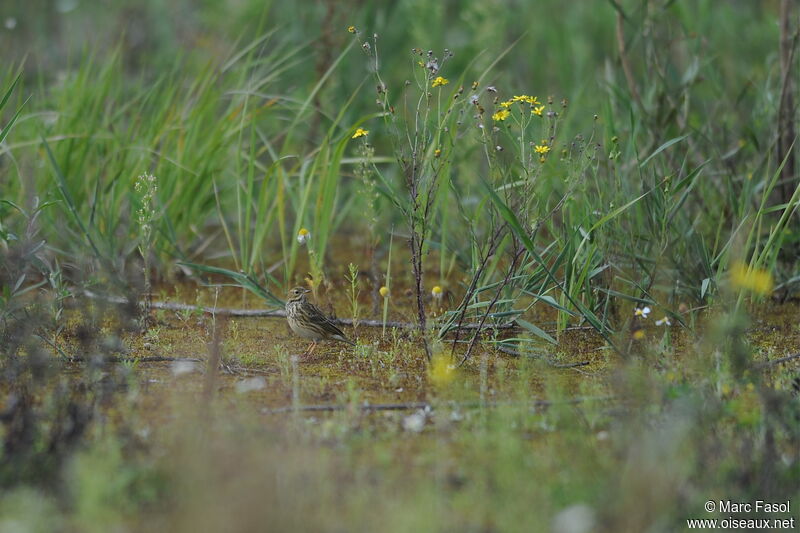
[306,290]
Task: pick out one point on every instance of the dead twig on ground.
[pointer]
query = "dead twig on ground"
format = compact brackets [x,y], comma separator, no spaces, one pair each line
[775,362]
[544,357]
[407,406]
[280,313]
[146,359]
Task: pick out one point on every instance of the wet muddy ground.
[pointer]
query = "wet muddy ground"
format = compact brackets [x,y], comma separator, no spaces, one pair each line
[262,362]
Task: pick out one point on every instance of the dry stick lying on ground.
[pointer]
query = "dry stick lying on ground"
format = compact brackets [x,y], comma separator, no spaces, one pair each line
[775,362]
[427,406]
[509,351]
[237,370]
[547,359]
[280,313]
[145,359]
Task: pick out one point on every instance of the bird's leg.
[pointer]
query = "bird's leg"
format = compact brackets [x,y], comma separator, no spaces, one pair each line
[309,349]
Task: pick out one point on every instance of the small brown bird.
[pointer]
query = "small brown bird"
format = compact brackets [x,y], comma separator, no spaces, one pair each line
[307,321]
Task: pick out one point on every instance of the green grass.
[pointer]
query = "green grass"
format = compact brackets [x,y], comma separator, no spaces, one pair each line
[251,146]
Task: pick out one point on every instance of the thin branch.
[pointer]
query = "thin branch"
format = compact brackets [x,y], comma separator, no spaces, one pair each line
[509,274]
[544,357]
[127,359]
[494,240]
[280,313]
[407,406]
[775,362]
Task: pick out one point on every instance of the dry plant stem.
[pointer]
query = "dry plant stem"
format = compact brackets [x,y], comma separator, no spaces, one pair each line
[518,251]
[421,184]
[147,301]
[416,259]
[214,358]
[786,109]
[374,275]
[494,242]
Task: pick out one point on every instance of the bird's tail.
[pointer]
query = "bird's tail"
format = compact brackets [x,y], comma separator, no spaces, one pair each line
[344,339]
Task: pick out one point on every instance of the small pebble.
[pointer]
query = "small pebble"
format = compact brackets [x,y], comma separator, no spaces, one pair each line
[180,368]
[250,384]
[415,423]
[578,518]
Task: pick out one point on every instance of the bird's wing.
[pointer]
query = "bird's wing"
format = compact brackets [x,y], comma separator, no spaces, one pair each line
[318,317]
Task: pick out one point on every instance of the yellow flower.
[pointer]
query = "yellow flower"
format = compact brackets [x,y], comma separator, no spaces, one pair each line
[506,104]
[746,408]
[384,291]
[360,132]
[538,110]
[754,280]
[437,153]
[351,29]
[638,334]
[541,149]
[303,235]
[436,292]
[439,81]
[525,99]
[501,115]
[441,371]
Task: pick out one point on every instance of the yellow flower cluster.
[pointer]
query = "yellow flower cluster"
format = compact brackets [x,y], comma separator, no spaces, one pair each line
[360,132]
[441,371]
[754,280]
[542,149]
[521,98]
[501,115]
[439,81]
[351,29]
